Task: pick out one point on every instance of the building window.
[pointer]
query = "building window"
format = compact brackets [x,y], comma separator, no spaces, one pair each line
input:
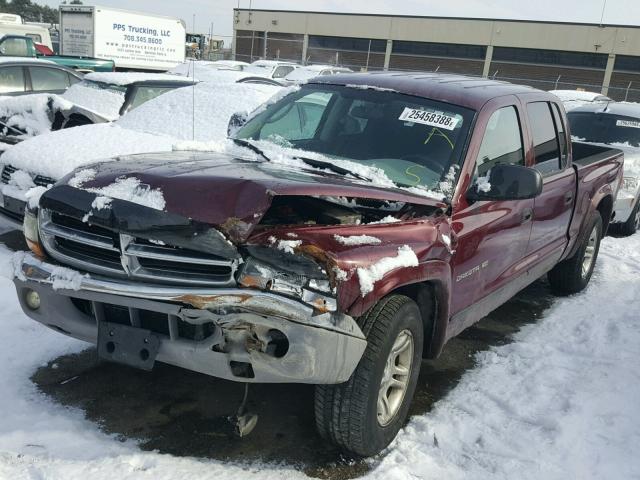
[347,43]
[446,50]
[627,63]
[550,57]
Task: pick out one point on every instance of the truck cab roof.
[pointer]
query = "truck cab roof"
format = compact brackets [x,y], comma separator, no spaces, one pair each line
[470,92]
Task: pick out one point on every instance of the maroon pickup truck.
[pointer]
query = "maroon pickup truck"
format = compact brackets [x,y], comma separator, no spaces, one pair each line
[368,219]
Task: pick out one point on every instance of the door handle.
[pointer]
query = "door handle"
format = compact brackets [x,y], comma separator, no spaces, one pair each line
[527,215]
[568,198]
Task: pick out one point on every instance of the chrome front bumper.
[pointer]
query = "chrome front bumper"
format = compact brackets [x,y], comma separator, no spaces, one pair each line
[320,348]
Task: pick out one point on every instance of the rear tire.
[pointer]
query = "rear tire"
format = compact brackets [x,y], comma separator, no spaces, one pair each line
[573,274]
[631,225]
[364,414]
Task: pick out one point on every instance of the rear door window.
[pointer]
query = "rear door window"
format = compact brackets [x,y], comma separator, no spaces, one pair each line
[145,93]
[11,80]
[545,139]
[282,71]
[45,78]
[502,142]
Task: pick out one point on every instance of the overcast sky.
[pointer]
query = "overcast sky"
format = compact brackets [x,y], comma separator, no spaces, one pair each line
[220,12]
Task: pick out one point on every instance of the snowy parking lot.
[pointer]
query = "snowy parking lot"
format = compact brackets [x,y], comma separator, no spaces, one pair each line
[542,388]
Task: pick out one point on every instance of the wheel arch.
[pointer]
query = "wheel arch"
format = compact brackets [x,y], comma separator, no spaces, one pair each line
[432,300]
[605,208]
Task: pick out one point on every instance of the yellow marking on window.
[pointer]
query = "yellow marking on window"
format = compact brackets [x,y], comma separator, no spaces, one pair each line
[409,174]
[436,131]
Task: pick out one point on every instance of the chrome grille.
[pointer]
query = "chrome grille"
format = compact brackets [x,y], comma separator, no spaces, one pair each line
[39,180]
[100,250]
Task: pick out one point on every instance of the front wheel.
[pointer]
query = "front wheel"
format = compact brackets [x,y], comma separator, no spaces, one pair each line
[364,414]
[573,274]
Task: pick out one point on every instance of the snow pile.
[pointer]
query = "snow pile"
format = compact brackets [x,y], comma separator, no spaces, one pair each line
[387,219]
[370,275]
[557,403]
[129,189]
[63,278]
[172,114]
[20,183]
[106,102]
[81,177]
[287,246]
[483,183]
[33,195]
[101,203]
[75,147]
[369,87]
[127,78]
[576,98]
[357,240]
[29,115]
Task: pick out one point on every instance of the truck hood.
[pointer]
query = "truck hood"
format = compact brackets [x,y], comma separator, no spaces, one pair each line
[234,194]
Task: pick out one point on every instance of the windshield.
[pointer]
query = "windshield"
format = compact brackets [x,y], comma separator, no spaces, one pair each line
[415,141]
[605,128]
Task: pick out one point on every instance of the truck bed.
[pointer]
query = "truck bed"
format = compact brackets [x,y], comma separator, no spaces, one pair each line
[587,153]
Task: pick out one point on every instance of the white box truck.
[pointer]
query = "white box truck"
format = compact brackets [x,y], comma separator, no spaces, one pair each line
[133,40]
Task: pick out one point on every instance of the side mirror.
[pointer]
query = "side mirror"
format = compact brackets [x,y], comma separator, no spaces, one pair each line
[507,182]
[236,122]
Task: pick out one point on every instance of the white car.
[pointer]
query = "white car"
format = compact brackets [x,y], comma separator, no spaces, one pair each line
[616,125]
[159,125]
[576,98]
[302,74]
[274,69]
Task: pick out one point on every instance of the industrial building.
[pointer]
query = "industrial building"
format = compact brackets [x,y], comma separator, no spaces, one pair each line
[545,55]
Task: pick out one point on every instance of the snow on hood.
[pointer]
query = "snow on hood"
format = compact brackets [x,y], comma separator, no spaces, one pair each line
[58,153]
[29,113]
[153,127]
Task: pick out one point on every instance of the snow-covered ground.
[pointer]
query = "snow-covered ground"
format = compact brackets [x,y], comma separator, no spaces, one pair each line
[559,402]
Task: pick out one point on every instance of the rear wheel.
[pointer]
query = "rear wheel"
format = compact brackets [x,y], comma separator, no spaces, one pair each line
[633,222]
[573,274]
[364,414]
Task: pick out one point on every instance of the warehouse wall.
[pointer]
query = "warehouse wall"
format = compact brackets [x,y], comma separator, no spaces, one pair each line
[541,54]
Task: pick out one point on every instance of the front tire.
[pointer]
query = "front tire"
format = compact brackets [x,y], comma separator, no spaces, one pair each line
[573,274]
[364,414]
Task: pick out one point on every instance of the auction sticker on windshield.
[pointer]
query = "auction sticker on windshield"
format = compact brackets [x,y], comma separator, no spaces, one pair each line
[628,123]
[433,119]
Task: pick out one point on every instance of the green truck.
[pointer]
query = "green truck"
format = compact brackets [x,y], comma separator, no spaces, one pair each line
[22,46]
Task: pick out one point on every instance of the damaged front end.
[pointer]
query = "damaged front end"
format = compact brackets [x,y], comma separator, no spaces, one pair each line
[254,298]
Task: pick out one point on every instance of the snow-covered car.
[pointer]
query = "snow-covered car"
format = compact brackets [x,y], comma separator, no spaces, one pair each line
[98,98]
[156,126]
[616,125]
[576,98]
[187,68]
[301,75]
[275,69]
[215,73]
